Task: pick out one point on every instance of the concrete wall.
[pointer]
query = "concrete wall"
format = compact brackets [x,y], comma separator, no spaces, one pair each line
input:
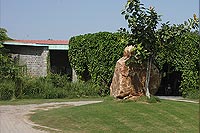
[35,58]
[74,76]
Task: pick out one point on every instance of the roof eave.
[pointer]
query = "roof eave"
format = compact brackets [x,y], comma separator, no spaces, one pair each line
[50,46]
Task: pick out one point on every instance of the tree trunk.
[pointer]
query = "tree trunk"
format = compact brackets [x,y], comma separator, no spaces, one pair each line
[149,62]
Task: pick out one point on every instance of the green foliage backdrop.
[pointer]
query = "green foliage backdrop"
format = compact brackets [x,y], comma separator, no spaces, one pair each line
[178,46]
[183,54]
[93,56]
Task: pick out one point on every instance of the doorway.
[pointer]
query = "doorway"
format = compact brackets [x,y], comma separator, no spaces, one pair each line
[59,62]
[170,82]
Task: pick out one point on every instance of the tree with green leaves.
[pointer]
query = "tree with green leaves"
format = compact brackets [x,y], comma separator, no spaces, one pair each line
[3,35]
[154,42]
[8,69]
[178,46]
[142,23]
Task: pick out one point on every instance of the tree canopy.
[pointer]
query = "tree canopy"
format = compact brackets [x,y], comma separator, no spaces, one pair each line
[174,44]
[8,69]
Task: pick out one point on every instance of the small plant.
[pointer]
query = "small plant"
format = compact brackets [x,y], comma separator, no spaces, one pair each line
[153,99]
[84,89]
[19,82]
[145,99]
[57,80]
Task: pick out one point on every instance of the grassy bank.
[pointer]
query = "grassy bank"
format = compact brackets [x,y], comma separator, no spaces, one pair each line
[114,116]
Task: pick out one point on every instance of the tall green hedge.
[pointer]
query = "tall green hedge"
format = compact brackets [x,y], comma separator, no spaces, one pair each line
[93,56]
[183,54]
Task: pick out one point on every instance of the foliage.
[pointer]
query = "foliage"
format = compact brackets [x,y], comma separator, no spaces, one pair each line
[34,87]
[142,23]
[19,82]
[139,55]
[3,35]
[50,87]
[167,36]
[8,69]
[7,88]
[153,99]
[57,80]
[176,45]
[193,94]
[93,56]
[183,54]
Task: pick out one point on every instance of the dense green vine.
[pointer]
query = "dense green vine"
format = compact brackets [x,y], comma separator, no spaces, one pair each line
[183,55]
[93,56]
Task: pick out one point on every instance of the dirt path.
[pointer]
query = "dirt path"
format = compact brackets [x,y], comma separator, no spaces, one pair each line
[177,98]
[14,119]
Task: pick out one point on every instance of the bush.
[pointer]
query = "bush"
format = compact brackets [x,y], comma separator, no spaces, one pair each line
[84,89]
[153,99]
[193,94]
[57,80]
[19,82]
[50,87]
[7,88]
[183,55]
[93,57]
[34,87]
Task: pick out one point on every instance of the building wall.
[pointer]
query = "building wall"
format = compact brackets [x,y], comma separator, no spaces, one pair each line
[35,58]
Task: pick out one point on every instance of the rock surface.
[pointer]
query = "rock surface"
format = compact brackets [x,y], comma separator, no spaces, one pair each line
[129,81]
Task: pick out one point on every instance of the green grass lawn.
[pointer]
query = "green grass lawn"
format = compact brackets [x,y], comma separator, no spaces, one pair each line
[123,117]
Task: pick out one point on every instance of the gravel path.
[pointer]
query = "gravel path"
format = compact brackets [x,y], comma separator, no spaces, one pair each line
[177,98]
[14,118]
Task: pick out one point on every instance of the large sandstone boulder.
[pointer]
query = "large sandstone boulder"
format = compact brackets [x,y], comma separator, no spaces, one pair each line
[129,81]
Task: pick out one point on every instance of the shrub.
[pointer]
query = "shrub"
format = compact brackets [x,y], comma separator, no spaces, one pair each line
[50,87]
[34,87]
[93,57]
[57,80]
[7,88]
[56,86]
[19,82]
[193,94]
[153,99]
[84,89]
[183,55]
